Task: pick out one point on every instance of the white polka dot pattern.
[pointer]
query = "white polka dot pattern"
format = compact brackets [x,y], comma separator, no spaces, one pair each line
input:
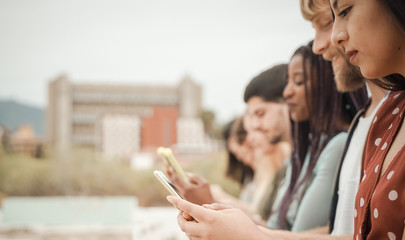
[391,236]
[377,141]
[379,201]
[389,176]
[393,195]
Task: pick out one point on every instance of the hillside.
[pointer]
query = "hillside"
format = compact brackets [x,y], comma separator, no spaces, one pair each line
[14,114]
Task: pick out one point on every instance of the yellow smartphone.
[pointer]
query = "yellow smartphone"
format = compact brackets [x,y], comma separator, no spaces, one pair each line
[166,183]
[170,161]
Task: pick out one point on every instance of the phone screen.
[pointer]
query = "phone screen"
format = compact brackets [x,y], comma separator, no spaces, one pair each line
[166,183]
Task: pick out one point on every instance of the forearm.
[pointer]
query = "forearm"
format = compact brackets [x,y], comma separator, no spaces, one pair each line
[287,235]
[318,230]
[246,208]
[221,196]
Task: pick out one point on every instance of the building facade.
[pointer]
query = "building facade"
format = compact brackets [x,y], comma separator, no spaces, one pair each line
[120,119]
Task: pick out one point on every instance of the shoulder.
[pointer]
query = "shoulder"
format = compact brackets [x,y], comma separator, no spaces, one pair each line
[337,142]
[332,151]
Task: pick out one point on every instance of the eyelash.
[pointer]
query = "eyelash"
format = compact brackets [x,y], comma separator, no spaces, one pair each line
[327,25]
[343,13]
[299,83]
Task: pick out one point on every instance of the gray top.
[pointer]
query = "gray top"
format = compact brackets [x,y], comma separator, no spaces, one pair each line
[313,209]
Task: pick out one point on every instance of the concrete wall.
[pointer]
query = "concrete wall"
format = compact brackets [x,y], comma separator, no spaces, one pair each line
[29,211]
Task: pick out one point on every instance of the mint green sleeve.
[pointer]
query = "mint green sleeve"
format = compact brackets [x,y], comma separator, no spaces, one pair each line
[313,211]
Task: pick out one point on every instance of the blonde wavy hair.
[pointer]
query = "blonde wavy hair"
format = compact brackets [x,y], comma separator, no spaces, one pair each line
[310,8]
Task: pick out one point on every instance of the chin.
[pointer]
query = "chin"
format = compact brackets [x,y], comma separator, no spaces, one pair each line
[297,119]
[336,69]
[340,84]
[370,73]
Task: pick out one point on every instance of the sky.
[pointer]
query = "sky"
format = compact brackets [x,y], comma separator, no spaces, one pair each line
[220,44]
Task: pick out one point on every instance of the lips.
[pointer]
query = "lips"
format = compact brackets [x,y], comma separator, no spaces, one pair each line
[291,105]
[351,55]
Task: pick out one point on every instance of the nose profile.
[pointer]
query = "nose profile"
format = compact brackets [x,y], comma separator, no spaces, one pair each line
[321,43]
[255,123]
[287,93]
[339,34]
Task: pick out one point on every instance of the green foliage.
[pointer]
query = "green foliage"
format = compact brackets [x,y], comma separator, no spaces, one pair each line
[208,119]
[83,173]
[213,170]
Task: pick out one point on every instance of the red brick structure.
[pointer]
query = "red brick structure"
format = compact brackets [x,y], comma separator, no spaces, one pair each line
[139,116]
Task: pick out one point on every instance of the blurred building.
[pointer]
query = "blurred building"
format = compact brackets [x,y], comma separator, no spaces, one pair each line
[24,141]
[121,119]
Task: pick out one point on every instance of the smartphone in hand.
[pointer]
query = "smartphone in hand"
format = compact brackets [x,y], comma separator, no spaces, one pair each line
[170,161]
[166,183]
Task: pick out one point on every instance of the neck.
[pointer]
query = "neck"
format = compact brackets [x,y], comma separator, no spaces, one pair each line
[377,94]
[401,62]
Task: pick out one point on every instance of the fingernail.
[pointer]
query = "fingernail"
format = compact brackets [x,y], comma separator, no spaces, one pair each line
[169,198]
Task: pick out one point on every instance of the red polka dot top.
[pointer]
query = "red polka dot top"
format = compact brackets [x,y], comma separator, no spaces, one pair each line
[380,202]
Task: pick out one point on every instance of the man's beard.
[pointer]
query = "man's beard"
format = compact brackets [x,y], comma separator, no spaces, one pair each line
[349,78]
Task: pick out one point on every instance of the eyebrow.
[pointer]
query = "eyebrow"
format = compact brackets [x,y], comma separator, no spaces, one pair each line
[298,73]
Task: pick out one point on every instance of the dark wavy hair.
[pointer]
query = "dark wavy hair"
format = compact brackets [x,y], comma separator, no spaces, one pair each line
[397,9]
[236,169]
[393,82]
[327,109]
[268,85]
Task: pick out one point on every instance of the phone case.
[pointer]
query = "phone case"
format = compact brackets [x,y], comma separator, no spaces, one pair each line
[170,160]
[166,183]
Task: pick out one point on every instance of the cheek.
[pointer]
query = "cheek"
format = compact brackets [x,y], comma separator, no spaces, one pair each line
[269,122]
[375,64]
[239,155]
[254,121]
[301,94]
[249,157]
[233,148]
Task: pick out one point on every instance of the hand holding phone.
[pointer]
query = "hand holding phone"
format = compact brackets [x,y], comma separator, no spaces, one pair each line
[166,183]
[170,161]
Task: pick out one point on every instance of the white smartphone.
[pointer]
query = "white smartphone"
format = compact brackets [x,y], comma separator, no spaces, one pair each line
[166,183]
